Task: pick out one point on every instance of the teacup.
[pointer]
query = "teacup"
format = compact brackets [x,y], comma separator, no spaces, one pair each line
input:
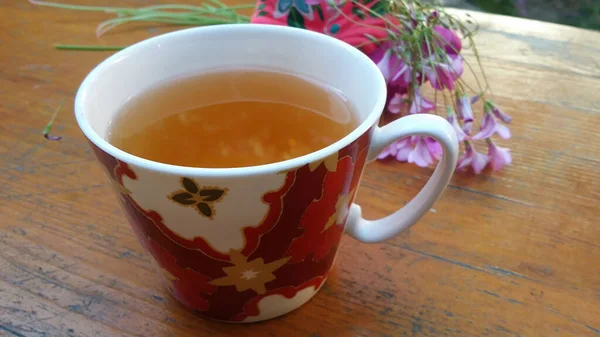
[274,229]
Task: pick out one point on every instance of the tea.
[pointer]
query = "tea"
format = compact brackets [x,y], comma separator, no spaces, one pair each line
[232,118]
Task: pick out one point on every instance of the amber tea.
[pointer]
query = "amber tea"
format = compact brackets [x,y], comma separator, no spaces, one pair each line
[232,118]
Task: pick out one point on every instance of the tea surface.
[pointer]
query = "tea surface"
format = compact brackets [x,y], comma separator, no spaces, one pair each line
[232,118]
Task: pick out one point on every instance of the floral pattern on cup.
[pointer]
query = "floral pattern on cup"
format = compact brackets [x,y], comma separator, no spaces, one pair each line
[201,199]
[342,206]
[246,274]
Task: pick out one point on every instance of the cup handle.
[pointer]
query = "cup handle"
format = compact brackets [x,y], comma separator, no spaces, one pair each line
[371,231]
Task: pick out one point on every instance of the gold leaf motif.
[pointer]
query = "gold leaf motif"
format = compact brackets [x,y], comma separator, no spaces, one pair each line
[342,207]
[246,274]
[202,199]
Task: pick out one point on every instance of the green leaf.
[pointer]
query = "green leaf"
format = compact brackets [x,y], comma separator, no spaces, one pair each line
[211,194]
[319,10]
[261,6]
[205,209]
[366,2]
[262,13]
[378,8]
[358,12]
[184,198]
[295,18]
[60,46]
[189,185]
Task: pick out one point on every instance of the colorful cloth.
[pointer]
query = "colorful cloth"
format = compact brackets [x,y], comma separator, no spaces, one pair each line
[349,21]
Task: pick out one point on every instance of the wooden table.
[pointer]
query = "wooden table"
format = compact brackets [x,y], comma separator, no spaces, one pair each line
[515,253]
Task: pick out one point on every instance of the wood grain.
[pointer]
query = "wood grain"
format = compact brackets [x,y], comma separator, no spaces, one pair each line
[515,253]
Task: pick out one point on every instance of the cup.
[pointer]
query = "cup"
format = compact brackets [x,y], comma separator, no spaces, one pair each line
[253,243]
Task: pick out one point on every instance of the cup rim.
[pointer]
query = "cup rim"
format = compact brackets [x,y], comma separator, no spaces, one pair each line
[282,166]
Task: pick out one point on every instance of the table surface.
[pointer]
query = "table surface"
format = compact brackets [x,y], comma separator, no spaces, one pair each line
[515,253]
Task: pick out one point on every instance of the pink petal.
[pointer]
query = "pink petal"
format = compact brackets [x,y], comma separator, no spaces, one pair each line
[464,161]
[394,148]
[431,75]
[395,103]
[434,148]
[500,156]
[467,126]
[378,53]
[420,155]
[487,128]
[449,74]
[465,110]
[480,161]
[420,104]
[448,40]
[390,150]
[501,115]
[404,150]
[384,65]
[457,67]
[460,134]
[385,153]
[388,62]
[402,77]
[503,131]
[444,77]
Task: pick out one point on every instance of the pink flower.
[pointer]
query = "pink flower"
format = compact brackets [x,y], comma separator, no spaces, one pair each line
[460,134]
[403,76]
[442,75]
[396,103]
[390,150]
[465,111]
[422,151]
[420,154]
[404,147]
[434,148]
[490,106]
[399,149]
[420,104]
[447,40]
[491,126]
[499,156]
[388,62]
[478,161]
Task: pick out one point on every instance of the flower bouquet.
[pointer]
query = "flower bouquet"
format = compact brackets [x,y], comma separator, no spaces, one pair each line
[416,46]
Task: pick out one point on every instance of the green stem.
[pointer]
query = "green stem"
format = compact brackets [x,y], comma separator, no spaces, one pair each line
[86,47]
[192,8]
[482,70]
[83,8]
[48,127]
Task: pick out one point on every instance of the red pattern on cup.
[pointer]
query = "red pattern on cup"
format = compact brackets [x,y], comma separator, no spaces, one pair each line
[290,237]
